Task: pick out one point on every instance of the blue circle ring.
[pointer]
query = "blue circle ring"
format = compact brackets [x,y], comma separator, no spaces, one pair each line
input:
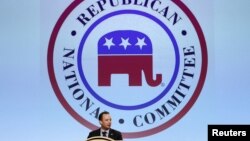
[134,107]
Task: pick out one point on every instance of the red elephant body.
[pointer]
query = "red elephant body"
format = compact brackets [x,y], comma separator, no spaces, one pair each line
[131,65]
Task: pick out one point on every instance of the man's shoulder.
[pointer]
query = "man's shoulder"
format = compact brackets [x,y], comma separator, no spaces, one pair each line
[115,134]
[115,131]
[94,133]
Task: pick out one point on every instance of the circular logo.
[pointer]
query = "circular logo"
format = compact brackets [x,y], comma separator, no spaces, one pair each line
[143,61]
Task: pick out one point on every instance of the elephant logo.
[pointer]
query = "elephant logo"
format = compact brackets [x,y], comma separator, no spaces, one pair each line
[148,74]
[126,52]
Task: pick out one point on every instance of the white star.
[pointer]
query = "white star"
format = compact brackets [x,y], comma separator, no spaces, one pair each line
[125,43]
[140,42]
[108,43]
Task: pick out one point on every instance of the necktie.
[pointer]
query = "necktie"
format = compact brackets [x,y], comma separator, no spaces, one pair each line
[104,134]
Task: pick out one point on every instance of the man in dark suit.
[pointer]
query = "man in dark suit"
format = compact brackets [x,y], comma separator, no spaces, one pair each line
[105,130]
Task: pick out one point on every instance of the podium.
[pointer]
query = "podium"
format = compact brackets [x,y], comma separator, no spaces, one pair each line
[99,138]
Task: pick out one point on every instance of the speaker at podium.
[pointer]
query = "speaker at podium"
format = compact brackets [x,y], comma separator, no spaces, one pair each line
[100,138]
[104,133]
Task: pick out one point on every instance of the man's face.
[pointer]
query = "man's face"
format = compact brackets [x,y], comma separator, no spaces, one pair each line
[105,121]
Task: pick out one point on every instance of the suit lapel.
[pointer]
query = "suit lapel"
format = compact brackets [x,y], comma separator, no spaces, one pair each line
[98,133]
[111,134]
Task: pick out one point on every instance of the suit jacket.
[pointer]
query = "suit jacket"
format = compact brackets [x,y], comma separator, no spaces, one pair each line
[113,134]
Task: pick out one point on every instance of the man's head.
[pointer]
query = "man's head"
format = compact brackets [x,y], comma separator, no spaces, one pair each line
[105,120]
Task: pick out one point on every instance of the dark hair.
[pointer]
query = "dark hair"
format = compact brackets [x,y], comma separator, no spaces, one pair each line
[102,113]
